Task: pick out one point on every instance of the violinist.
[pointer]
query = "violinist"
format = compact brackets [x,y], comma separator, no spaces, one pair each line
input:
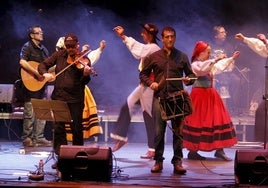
[69,87]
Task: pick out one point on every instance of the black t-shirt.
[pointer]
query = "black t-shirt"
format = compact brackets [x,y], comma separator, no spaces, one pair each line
[31,52]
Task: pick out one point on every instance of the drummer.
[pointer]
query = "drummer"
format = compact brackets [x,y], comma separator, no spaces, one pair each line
[174,62]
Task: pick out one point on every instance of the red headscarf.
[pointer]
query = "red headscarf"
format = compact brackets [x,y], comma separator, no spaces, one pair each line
[200,46]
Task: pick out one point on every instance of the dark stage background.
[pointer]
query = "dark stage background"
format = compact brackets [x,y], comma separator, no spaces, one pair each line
[93,21]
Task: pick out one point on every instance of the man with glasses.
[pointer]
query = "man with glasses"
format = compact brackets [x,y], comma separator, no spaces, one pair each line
[33,51]
[229,83]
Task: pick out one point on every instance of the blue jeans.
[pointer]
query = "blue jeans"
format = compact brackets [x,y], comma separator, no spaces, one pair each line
[159,141]
[32,128]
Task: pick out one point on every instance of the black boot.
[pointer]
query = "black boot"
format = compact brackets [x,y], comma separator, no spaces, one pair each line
[195,156]
[220,154]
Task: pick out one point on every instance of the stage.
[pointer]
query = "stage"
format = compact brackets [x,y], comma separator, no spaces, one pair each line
[128,169]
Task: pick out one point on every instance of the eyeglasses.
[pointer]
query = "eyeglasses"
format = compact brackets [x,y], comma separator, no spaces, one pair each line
[38,33]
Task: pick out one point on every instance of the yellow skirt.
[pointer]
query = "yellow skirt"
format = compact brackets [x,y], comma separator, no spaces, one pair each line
[91,124]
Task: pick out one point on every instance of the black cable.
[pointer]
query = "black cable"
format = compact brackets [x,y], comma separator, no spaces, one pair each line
[117,171]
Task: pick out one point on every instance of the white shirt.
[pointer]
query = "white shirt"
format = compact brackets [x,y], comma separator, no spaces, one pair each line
[257,46]
[140,50]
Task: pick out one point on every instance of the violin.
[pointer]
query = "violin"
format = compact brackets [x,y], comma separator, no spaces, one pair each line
[80,61]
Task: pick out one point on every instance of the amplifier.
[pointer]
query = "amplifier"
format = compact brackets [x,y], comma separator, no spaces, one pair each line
[85,163]
[6,97]
[251,166]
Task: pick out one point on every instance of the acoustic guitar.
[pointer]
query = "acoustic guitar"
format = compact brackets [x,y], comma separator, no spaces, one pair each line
[30,81]
[33,84]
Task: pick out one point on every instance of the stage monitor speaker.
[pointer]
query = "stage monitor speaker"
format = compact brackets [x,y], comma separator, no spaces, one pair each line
[6,97]
[85,163]
[251,166]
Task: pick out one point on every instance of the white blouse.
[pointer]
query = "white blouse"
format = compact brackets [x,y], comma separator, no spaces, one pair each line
[140,50]
[210,66]
[257,46]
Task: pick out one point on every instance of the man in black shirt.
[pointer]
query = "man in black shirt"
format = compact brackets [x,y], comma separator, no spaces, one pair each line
[69,87]
[33,52]
[168,62]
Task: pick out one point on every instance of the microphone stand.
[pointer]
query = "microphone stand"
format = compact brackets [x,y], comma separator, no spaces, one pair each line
[241,72]
[266,103]
[247,80]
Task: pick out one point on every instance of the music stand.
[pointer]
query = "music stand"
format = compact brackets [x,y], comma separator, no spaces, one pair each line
[51,110]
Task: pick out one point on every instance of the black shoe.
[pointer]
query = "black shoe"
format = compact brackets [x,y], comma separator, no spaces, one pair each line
[220,154]
[193,155]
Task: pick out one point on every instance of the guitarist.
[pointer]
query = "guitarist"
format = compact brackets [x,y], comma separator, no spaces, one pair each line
[33,50]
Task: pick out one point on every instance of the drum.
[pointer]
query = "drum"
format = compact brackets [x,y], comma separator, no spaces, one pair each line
[178,104]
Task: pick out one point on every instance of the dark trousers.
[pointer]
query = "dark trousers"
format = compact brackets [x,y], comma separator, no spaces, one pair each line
[159,141]
[76,111]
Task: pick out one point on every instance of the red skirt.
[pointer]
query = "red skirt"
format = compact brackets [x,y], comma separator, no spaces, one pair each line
[210,126]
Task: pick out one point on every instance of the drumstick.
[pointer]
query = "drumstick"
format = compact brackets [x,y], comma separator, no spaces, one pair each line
[180,78]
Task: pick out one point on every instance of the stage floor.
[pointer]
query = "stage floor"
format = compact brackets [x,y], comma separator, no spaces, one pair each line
[129,170]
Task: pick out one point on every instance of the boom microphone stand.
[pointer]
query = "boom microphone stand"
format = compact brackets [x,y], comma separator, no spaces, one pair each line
[266,103]
[242,73]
